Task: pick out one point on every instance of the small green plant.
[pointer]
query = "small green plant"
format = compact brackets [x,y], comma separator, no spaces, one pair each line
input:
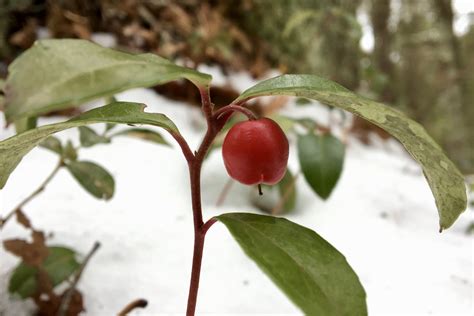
[57,74]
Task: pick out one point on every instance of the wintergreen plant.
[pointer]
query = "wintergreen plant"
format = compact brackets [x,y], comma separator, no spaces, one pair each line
[56,74]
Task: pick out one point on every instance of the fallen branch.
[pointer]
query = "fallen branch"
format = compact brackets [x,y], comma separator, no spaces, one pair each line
[139,303]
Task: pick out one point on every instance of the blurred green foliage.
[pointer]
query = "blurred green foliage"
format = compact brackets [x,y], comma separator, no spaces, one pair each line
[417,63]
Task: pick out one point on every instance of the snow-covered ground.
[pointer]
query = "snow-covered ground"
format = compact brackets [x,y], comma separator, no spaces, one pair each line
[382,216]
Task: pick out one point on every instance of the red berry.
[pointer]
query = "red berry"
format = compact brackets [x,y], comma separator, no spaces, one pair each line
[256,152]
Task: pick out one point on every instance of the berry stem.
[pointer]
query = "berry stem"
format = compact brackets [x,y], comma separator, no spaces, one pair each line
[235,108]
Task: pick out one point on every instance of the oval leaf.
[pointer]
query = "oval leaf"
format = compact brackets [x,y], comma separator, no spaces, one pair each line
[93,178]
[88,137]
[14,148]
[311,272]
[321,159]
[60,264]
[59,73]
[445,180]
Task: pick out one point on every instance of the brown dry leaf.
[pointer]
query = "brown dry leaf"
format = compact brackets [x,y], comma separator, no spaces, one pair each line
[32,253]
[46,300]
[179,18]
[22,219]
[49,303]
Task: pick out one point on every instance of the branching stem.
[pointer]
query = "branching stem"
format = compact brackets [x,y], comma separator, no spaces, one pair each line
[215,123]
[33,194]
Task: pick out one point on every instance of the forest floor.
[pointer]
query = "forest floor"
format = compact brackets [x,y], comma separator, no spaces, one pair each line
[381,216]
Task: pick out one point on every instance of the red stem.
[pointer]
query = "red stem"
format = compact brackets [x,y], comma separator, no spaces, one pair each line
[200,228]
[188,154]
[235,108]
[214,125]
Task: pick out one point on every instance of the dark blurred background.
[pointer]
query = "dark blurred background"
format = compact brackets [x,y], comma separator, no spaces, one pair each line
[406,53]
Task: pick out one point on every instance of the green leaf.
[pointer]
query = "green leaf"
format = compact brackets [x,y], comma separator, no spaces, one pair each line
[89,137]
[69,152]
[52,143]
[144,134]
[59,73]
[308,123]
[60,264]
[14,148]
[110,126]
[321,159]
[24,124]
[287,190]
[93,178]
[311,272]
[444,178]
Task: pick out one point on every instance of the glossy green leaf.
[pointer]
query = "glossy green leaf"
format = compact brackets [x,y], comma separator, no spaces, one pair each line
[287,191]
[69,152]
[143,134]
[88,137]
[311,272]
[14,148]
[52,143]
[321,159]
[60,264]
[93,178]
[445,180]
[58,73]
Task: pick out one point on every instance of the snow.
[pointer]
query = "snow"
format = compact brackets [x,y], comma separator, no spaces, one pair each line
[381,216]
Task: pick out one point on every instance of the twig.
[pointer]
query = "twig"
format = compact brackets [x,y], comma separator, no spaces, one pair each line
[67,297]
[224,192]
[139,303]
[33,194]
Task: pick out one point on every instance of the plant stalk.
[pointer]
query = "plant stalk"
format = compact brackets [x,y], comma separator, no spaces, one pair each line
[199,230]
[214,124]
[33,194]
